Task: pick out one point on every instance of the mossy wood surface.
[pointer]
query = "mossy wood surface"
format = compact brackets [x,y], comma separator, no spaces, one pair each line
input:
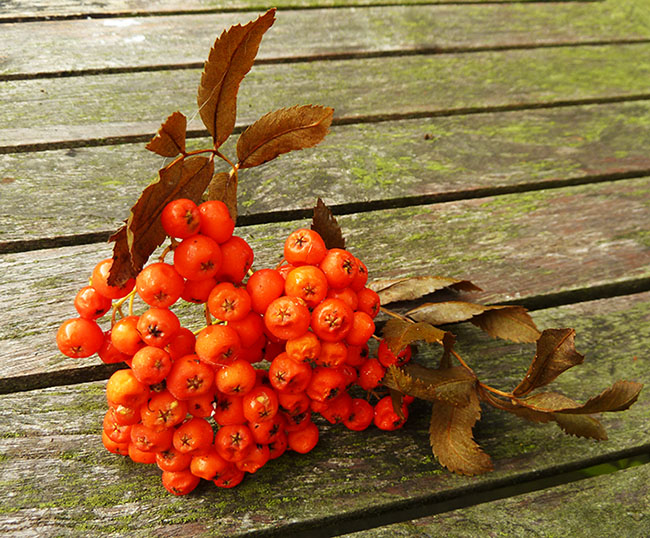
[513,246]
[119,107]
[64,482]
[43,9]
[83,190]
[504,142]
[151,42]
[609,503]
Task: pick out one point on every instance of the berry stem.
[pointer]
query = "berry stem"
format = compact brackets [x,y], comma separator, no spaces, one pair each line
[195,152]
[117,306]
[169,248]
[395,315]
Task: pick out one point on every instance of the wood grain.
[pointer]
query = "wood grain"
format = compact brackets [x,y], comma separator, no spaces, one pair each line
[127,105]
[69,46]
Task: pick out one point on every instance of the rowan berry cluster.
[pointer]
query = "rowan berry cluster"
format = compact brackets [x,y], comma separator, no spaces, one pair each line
[280,345]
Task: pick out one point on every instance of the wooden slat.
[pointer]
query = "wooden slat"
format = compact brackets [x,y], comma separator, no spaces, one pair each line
[59,479]
[95,44]
[97,107]
[610,505]
[90,189]
[513,246]
[22,9]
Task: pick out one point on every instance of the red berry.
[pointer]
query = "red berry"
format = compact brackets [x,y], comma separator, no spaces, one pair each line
[304,247]
[91,304]
[159,284]
[180,218]
[99,281]
[197,257]
[79,338]
[216,221]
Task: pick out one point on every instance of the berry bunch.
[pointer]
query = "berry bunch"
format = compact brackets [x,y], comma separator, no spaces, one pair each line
[193,402]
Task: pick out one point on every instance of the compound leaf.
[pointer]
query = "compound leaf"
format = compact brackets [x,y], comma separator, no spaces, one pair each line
[187,178]
[398,333]
[170,139]
[223,186]
[281,131]
[451,438]
[327,226]
[410,288]
[555,354]
[510,322]
[451,385]
[230,59]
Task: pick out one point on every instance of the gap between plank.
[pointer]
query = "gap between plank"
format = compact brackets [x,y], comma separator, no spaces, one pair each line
[262,7]
[464,497]
[327,57]
[100,372]
[338,121]
[26,245]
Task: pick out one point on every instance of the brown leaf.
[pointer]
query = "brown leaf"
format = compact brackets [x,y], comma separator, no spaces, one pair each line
[451,385]
[187,178]
[451,438]
[448,342]
[555,354]
[508,405]
[619,397]
[396,398]
[223,187]
[398,333]
[508,322]
[170,139]
[409,288]
[281,131]
[230,59]
[581,426]
[121,269]
[499,321]
[327,227]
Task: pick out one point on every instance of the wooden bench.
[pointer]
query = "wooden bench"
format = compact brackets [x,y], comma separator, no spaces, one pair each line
[502,142]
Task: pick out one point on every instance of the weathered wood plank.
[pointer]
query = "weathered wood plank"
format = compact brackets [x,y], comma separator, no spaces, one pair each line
[95,44]
[134,104]
[61,481]
[610,505]
[91,189]
[513,246]
[21,9]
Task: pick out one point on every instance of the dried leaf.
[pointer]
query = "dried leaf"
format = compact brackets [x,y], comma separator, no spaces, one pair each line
[452,442]
[121,269]
[224,187]
[508,405]
[410,288]
[510,322]
[619,397]
[230,59]
[581,426]
[281,131]
[398,333]
[170,139]
[451,385]
[448,342]
[187,178]
[396,398]
[555,354]
[327,227]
